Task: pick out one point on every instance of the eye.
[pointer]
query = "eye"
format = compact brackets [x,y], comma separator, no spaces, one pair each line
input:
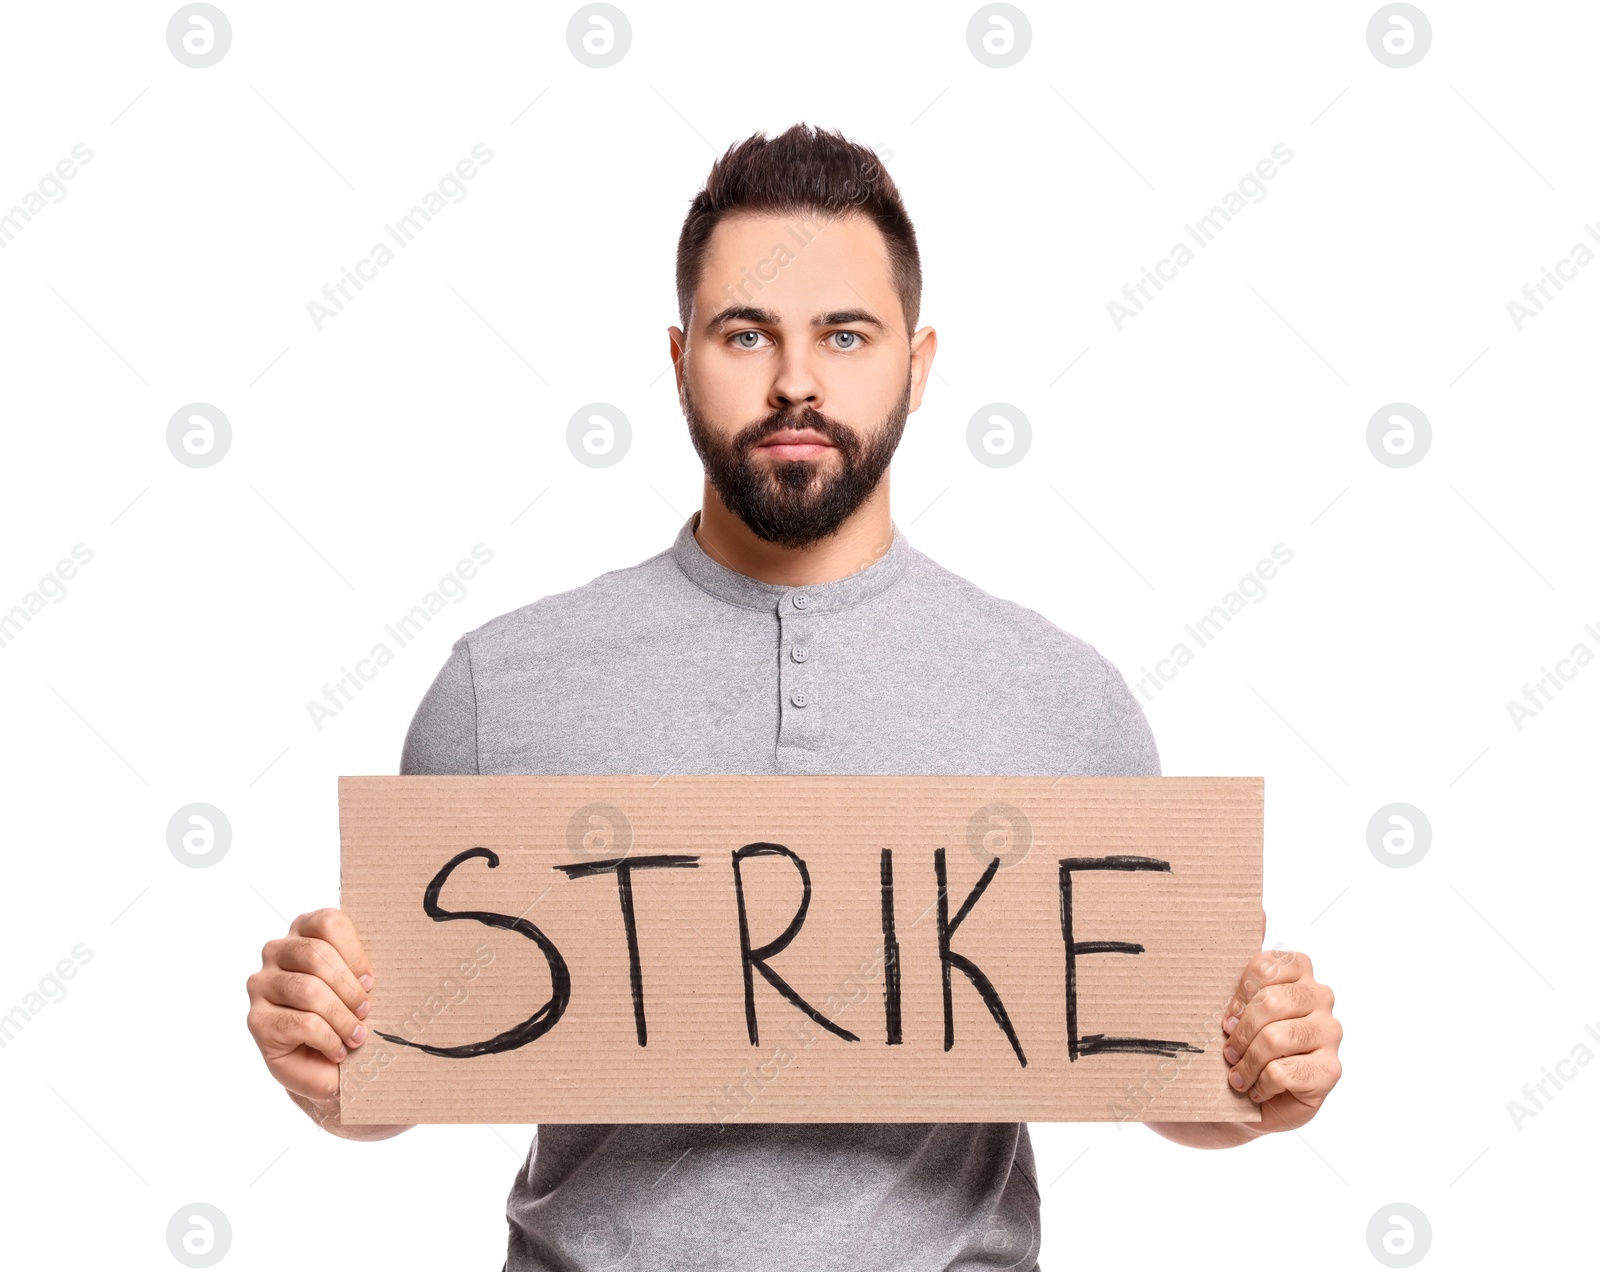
[852,339]
[739,341]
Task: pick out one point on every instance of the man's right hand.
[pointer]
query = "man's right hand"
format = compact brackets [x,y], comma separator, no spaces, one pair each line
[307,1004]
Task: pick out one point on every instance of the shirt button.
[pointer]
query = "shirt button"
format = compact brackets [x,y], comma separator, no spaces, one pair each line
[799,653]
[799,699]
[801,600]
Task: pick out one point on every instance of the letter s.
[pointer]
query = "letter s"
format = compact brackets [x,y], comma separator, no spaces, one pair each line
[482,153]
[486,555]
[82,153]
[81,553]
[1286,555]
[536,1025]
[1282,153]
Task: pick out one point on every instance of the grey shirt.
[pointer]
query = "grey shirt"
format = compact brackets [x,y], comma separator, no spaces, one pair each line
[680,665]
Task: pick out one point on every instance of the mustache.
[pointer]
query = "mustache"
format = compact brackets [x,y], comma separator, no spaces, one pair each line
[841,435]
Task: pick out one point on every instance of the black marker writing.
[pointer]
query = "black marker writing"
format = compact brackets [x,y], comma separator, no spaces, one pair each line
[948,958]
[757,958]
[623,868]
[891,953]
[536,1025]
[1094,1044]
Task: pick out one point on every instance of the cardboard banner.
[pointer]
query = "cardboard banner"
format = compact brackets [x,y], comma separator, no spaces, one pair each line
[799,949]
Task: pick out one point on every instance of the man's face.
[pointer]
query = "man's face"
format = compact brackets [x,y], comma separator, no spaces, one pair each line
[797,373]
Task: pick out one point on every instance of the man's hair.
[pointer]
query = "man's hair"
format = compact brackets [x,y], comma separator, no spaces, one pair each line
[804,170]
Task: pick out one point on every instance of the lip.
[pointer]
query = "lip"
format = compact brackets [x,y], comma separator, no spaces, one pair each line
[795,443]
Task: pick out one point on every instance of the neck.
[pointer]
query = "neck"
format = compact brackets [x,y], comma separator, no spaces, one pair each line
[864,537]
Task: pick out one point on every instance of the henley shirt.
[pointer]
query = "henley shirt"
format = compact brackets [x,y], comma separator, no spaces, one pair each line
[681,665]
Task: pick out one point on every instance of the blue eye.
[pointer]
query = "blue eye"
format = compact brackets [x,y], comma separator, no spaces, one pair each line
[739,338]
[853,336]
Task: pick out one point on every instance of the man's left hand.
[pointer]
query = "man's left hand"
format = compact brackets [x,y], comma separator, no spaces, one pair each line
[1283,1040]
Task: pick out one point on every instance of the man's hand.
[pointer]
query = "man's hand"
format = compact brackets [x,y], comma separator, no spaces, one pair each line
[1283,1040]
[306,1007]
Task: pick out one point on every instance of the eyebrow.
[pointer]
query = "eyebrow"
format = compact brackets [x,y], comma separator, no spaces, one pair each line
[751,313]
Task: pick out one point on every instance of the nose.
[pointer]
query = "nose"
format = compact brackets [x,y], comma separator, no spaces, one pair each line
[795,384]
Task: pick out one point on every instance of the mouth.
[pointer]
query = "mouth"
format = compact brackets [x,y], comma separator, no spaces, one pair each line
[794,443]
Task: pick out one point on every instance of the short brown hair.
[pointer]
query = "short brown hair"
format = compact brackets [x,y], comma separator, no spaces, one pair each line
[805,169]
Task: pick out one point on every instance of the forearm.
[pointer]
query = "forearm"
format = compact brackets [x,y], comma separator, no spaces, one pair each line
[1208,1134]
[325,1113]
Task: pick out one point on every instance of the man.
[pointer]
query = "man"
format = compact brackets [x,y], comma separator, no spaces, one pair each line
[789,629]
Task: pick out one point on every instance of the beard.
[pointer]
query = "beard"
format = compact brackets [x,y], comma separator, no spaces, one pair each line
[794,502]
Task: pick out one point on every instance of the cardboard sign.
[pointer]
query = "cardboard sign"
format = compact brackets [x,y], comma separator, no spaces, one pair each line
[799,949]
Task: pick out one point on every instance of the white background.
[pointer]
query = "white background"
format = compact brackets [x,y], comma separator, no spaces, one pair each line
[369,456]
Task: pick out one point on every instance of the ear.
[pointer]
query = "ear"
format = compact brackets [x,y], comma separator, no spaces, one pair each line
[924,344]
[678,348]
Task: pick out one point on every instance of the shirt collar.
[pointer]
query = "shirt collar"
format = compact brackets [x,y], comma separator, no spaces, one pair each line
[814,598]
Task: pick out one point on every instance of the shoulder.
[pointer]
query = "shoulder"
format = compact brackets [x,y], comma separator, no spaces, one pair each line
[580,613]
[997,626]
[1018,650]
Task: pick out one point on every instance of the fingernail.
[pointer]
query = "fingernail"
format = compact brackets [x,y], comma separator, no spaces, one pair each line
[366,980]
[1236,1079]
[1230,1024]
[343,1052]
[1230,1055]
[1255,1094]
[361,1011]
[357,1034]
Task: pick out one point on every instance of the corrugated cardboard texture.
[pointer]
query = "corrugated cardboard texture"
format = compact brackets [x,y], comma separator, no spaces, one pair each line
[455,983]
